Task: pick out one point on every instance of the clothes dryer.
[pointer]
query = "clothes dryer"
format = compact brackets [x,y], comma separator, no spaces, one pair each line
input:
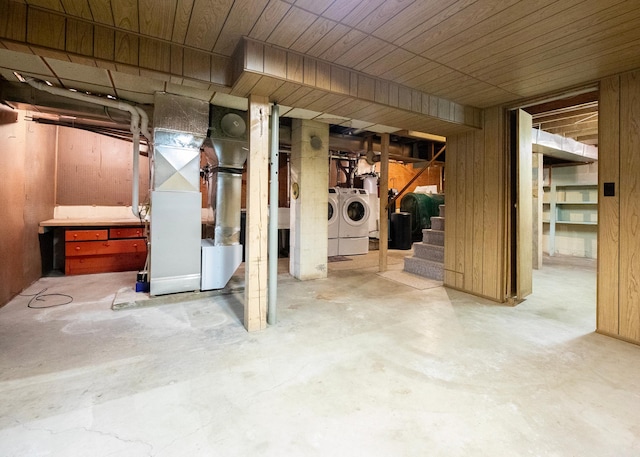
[354,213]
[354,222]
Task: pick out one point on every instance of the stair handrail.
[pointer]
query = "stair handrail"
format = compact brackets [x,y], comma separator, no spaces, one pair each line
[433,159]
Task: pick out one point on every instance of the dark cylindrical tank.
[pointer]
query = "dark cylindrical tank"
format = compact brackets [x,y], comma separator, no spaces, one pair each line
[401,231]
[422,207]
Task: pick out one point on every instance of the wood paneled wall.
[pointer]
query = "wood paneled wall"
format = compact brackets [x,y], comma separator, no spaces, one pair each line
[96,170]
[27,155]
[619,230]
[475,244]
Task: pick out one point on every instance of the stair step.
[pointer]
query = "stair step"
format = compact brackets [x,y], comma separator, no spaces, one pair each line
[428,252]
[431,236]
[424,268]
[441,208]
[437,223]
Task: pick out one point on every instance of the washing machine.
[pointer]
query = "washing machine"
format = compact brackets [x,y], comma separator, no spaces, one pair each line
[333,222]
[353,230]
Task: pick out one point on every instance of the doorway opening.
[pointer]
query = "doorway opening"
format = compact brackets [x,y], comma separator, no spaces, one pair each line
[563,214]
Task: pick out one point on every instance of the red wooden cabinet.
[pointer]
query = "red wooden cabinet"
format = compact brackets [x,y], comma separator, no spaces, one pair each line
[104,250]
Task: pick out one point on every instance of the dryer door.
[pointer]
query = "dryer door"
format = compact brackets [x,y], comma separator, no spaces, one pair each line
[355,216]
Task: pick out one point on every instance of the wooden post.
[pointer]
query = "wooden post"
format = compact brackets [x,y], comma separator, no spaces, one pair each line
[255,276]
[384,198]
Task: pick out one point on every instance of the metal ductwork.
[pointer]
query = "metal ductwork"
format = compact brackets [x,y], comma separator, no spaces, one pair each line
[228,135]
[180,126]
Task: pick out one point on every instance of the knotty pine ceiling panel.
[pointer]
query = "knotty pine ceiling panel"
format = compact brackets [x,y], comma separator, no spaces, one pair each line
[331,38]
[78,8]
[381,53]
[101,11]
[550,52]
[395,58]
[207,19]
[503,51]
[314,6]
[368,47]
[181,21]
[384,13]
[361,10]
[314,33]
[291,27]
[240,21]
[415,66]
[414,16]
[125,15]
[344,44]
[157,18]
[269,19]
[480,39]
[54,5]
[429,35]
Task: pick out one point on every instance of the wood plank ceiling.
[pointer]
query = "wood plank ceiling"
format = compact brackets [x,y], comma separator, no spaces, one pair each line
[472,53]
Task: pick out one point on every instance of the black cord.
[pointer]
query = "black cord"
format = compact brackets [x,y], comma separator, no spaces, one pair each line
[41,296]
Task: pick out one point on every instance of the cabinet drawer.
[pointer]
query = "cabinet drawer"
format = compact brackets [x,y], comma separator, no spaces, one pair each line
[126,232]
[85,235]
[104,263]
[84,248]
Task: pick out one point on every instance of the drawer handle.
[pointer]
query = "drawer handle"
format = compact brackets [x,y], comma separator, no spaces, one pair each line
[75,235]
[97,235]
[77,248]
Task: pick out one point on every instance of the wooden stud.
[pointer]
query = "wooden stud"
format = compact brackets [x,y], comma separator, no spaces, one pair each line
[384,191]
[255,292]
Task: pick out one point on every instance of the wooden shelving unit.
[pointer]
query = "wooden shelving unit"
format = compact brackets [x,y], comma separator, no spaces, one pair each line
[569,205]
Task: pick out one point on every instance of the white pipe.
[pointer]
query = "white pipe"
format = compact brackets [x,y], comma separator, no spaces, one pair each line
[273,219]
[136,115]
[144,123]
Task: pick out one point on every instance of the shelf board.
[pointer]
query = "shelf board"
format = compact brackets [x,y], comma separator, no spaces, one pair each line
[577,222]
[576,203]
[590,186]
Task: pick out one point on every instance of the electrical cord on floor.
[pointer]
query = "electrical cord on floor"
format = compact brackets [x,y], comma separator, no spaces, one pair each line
[42,297]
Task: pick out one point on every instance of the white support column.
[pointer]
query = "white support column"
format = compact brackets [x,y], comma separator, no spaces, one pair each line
[309,199]
[256,230]
[537,210]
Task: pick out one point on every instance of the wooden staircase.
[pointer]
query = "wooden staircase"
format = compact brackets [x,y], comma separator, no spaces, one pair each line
[428,256]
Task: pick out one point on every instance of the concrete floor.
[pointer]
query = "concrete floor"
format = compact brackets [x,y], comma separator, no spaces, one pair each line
[358,365]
